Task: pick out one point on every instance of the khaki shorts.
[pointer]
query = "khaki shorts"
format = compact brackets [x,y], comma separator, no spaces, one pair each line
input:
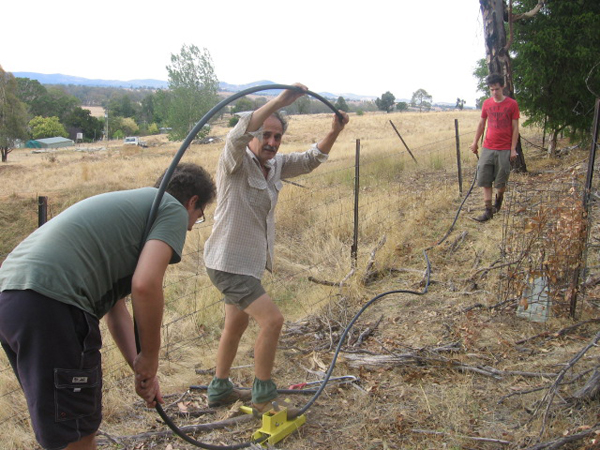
[238,290]
[493,167]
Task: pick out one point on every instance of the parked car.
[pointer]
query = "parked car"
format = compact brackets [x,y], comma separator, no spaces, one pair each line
[134,140]
[131,140]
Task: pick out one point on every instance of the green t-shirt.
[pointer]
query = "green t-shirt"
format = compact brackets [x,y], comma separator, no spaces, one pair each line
[86,255]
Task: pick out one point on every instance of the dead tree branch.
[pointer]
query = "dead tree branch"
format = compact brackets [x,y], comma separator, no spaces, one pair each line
[549,397]
[558,443]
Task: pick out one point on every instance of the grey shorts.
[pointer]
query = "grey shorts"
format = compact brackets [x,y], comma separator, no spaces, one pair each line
[238,290]
[54,349]
[493,167]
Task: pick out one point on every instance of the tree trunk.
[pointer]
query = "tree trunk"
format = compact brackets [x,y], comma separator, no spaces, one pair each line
[591,390]
[553,143]
[494,16]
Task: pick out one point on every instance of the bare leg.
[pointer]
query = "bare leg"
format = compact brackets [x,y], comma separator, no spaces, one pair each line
[270,321]
[85,443]
[487,194]
[236,322]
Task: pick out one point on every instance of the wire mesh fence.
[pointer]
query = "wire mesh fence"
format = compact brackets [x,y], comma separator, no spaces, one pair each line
[543,239]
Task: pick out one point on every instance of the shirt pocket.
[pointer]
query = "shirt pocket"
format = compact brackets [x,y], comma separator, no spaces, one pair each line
[258,194]
[77,392]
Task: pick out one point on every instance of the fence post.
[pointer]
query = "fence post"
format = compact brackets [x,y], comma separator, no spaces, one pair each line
[42,210]
[586,199]
[458,165]
[354,250]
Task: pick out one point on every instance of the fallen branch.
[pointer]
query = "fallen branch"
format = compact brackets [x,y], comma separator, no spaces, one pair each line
[549,397]
[377,361]
[559,333]
[560,442]
[461,436]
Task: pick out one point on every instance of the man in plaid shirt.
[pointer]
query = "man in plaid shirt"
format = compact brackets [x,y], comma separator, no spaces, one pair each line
[241,245]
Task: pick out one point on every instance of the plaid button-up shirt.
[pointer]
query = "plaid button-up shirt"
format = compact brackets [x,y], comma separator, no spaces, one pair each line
[243,235]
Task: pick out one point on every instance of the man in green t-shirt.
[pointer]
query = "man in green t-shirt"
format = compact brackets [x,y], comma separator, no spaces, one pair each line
[78,268]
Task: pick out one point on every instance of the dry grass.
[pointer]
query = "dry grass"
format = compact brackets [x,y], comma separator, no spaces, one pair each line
[424,403]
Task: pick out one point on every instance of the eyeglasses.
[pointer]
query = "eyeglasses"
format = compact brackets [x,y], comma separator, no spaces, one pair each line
[201,218]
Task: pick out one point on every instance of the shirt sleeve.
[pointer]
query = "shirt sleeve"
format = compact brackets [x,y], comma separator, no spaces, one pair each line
[232,158]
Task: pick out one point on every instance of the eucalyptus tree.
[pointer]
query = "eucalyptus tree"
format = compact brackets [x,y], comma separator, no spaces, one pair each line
[421,99]
[13,115]
[194,88]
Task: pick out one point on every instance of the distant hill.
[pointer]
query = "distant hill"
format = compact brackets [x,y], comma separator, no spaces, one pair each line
[58,78]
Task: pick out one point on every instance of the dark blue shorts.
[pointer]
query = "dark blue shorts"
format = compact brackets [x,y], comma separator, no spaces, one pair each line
[54,350]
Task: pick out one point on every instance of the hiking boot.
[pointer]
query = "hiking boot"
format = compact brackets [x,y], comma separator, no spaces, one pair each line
[498,203]
[236,394]
[487,215]
[258,409]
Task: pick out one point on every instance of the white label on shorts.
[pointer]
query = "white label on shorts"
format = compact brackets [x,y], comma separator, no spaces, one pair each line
[79,380]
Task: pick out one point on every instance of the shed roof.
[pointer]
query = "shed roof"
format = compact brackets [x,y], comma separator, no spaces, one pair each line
[53,142]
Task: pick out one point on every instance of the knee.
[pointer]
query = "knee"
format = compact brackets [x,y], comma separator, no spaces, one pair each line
[273,323]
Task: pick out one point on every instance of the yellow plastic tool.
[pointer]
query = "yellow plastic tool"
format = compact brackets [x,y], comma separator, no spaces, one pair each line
[275,425]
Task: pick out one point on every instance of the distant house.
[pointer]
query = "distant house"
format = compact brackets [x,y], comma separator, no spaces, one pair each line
[54,142]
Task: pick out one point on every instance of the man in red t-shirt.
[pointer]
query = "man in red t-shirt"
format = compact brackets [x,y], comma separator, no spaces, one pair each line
[499,146]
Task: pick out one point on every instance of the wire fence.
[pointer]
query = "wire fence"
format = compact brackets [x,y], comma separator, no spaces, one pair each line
[315,210]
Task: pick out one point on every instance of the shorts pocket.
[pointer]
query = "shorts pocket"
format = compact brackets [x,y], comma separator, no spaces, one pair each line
[77,392]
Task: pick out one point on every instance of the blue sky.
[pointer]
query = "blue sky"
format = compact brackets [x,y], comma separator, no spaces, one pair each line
[364,48]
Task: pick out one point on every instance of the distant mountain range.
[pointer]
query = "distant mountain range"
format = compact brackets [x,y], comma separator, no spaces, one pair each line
[58,78]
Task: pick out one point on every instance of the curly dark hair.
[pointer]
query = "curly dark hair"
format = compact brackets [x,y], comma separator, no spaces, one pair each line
[190,179]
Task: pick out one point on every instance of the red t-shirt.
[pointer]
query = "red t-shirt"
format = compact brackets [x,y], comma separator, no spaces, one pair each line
[499,122]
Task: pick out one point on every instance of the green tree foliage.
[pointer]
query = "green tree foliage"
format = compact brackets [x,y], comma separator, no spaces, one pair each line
[243,104]
[460,103]
[480,73]
[194,87]
[159,106]
[47,127]
[30,92]
[402,106]
[129,127]
[555,67]
[233,121]
[56,102]
[13,115]
[81,121]
[303,105]
[341,104]
[386,102]
[421,99]
[123,106]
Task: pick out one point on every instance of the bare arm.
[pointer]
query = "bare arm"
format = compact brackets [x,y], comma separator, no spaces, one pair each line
[120,326]
[284,99]
[515,139]
[148,303]
[327,142]
[480,129]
